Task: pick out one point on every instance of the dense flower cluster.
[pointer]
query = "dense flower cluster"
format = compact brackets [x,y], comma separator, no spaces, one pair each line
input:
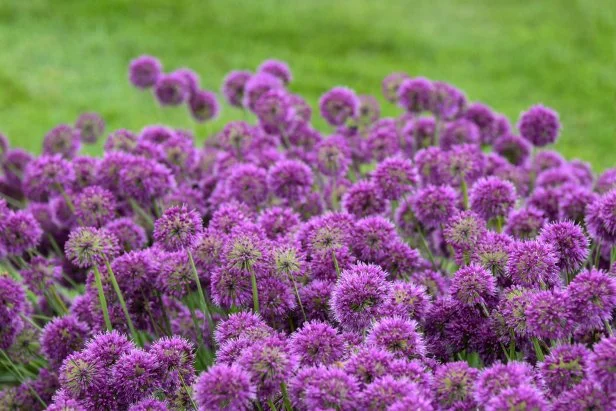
[442,259]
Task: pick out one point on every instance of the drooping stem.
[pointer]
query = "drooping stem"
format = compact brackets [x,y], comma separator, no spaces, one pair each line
[101,297]
[202,300]
[118,292]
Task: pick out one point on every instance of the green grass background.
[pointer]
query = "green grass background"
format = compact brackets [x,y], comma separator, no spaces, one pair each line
[60,58]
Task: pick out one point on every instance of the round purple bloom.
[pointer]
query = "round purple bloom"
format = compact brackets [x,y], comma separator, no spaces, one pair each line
[433,205]
[369,363]
[47,175]
[224,387]
[521,398]
[408,299]
[290,179]
[564,368]
[533,264]
[606,181]
[130,235]
[574,202]
[333,156]
[81,373]
[330,388]
[175,356]
[569,242]
[239,325]
[359,295]
[258,85]
[274,110]
[149,404]
[473,285]
[61,337]
[278,222]
[372,237]
[457,132]
[499,377]
[121,140]
[540,125]
[63,140]
[363,199]
[20,232]
[107,348]
[278,69]
[231,286]
[137,374]
[592,297]
[369,109]
[429,164]
[492,197]
[178,228]
[248,183]
[514,305]
[587,395]
[464,231]
[447,102]
[464,163]
[145,180]
[416,94]
[602,363]
[418,134]
[383,140]
[171,89]
[338,105]
[233,86]
[90,126]
[391,84]
[513,148]
[484,118]
[525,223]
[203,105]
[88,246]
[95,206]
[317,343]
[395,176]
[548,315]
[191,79]
[144,71]
[41,273]
[453,385]
[385,391]
[398,336]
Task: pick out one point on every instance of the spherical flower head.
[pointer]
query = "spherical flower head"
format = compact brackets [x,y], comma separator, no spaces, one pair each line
[464,231]
[500,377]
[569,242]
[473,285]
[395,176]
[191,79]
[171,89]
[513,305]
[21,232]
[61,402]
[522,398]
[315,299]
[398,336]
[391,84]
[539,125]
[95,206]
[513,148]
[369,363]
[595,223]
[274,110]
[257,85]
[139,373]
[248,183]
[587,395]
[41,273]
[407,299]
[121,140]
[317,343]
[61,337]
[325,233]
[464,163]
[592,297]
[290,179]
[81,373]
[416,94]
[47,175]
[372,237]
[230,287]
[453,385]
[339,105]
[564,368]
[230,215]
[525,223]
[457,132]
[573,203]
[359,295]
[278,222]
[385,391]
[447,102]
[224,387]
[492,197]
[144,71]
[278,69]
[63,140]
[86,172]
[433,205]
[333,156]
[484,118]
[240,325]
[363,199]
[90,126]
[203,105]
[429,164]
[177,228]
[602,363]
[107,348]
[176,357]
[369,109]
[533,264]
[330,388]
[149,404]
[88,246]
[606,181]
[130,235]
[233,86]
[417,134]
[383,140]
[175,277]
[548,315]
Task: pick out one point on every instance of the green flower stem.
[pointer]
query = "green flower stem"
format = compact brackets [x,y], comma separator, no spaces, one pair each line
[285,397]
[255,291]
[464,188]
[202,300]
[299,300]
[21,378]
[538,350]
[101,297]
[608,328]
[118,292]
[336,266]
[142,213]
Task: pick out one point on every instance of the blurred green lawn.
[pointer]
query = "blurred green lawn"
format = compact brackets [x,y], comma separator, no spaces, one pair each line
[60,58]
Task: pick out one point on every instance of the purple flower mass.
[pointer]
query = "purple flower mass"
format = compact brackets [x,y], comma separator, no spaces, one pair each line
[429,261]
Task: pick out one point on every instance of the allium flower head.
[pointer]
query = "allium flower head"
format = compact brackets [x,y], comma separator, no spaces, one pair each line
[81,373]
[359,295]
[457,132]
[276,68]
[464,231]
[417,134]
[548,315]
[121,140]
[372,237]
[592,297]
[178,228]
[513,305]
[88,246]
[429,164]
[95,206]
[499,377]
[408,299]
[203,105]
[139,373]
[257,85]
[369,363]
[130,235]
[274,110]
[533,264]
[239,325]
[540,125]
[224,387]
[175,277]
[464,162]
[569,242]
[63,140]
[513,148]
[144,180]
[21,232]
[108,347]
[492,252]
[61,337]
[363,199]
[290,179]
[564,368]
[248,183]
[278,222]
[416,94]
[144,71]
[333,156]
[149,404]
[391,84]
[395,176]
[47,175]
[338,105]
[602,363]
[453,385]
[41,273]
[317,343]
[233,86]
[171,89]
[433,205]
[175,356]
[398,336]
[383,140]
[447,102]
[521,398]
[369,109]
[525,223]
[330,388]
[473,285]
[588,395]
[484,118]
[90,126]
[492,197]
[385,391]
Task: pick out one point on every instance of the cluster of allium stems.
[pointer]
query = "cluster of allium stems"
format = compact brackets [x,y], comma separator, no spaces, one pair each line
[438,259]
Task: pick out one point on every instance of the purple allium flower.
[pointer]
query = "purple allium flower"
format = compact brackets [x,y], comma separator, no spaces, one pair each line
[156,134]
[239,325]
[248,184]
[290,179]
[548,315]
[399,259]
[369,109]
[137,374]
[457,132]
[385,391]
[408,299]
[276,68]
[47,175]
[398,336]
[278,222]
[453,385]
[256,86]
[473,285]
[371,238]
[62,336]
[523,397]
[513,148]
[276,297]
[513,305]
[12,304]
[330,388]
[86,172]
[108,347]
[130,235]
[606,181]
[88,246]
[602,363]
[63,140]
[224,387]
[231,286]
[175,277]
[338,105]
[230,215]
[491,197]
[369,363]
[464,231]
[383,140]
[587,395]
[500,377]
[64,403]
[391,84]
[416,94]
[144,71]
[448,102]
[144,180]
[90,126]
[81,373]
[569,242]
[557,177]
[95,206]
[171,89]
[333,156]
[363,199]
[192,80]
[429,163]
[492,252]
[592,297]
[433,205]
[121,140]
[40,274]
[546,200]
[149,404]
[178,228]
[175,356]
[564,368]
[540,125]
[395,176]
[203,105]
[359,295]
[533,264]
[464,163]
[233,86]
[21,232]
[315,299]
[303,111]
[418,134]
[274,110]
[525,223]
[484,118]
[317,343]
